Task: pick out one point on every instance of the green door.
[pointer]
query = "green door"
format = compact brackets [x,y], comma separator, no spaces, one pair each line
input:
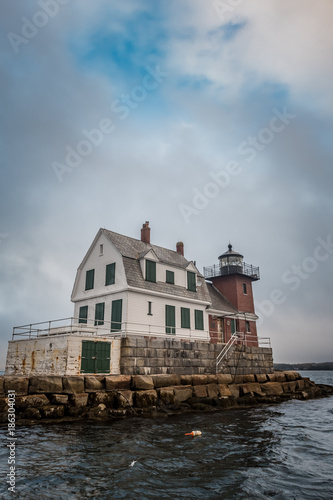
[95,357]
[170,320]
[116,315]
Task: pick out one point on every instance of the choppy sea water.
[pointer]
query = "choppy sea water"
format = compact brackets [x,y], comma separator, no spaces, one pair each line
[283,451]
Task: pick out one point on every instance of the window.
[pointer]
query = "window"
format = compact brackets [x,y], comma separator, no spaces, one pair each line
[99,314]
[233,326]
[244,289]
[191,281]
[101,249]
[90,275]
[116,315]
[247,326]
[149,309]
[110,274]
[83,314]
[199,322]
[95,357]
[170,277]
[170,319]
[185,317]
[151,271]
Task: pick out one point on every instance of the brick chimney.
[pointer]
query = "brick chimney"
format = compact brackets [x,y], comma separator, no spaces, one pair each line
[145,232]
[180,247]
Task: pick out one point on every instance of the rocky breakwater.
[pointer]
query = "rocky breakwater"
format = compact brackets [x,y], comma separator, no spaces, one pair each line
[54,399]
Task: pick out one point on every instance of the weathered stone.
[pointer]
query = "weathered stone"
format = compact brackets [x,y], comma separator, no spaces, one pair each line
[224,390]
[249,378]
[213,390]
[78,400]
[94,383]
[272,388]
[300,384]
[2,385]
[238,379]
[119,382]
[212,379]
[49,384]
[146,399]
[185,380]
[166,380]
[106,398]
[250,388]
[53,412]
[123,399]
[182,393]
[272,377]
[73,384]
[58,399]
[292,375]
[224,378]
[200,391]
[142,382]
[199,379]
[279,377]
[32,401]
[18,384]
[261,377]
[234,389]
[31,413]
[166,395]
[3,405]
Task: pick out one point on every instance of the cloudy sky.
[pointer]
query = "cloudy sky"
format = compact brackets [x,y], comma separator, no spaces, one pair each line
[210,119]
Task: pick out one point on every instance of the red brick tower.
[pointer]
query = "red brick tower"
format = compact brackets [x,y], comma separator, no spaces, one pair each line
[233,278]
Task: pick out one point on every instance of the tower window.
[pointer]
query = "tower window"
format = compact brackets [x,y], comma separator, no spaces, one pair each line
[247,326]
[244,289]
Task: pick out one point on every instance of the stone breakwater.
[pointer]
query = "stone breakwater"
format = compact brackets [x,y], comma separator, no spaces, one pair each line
[55,398]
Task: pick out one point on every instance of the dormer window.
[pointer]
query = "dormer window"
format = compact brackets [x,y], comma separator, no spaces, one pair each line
[170,277]
[151,271]
[191,281]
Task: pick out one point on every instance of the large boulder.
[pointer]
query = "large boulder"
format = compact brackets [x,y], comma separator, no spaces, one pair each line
[199,379]
[182,393]
[234,389]
[166,380]
[18,384]
[200,391]
[47,385]
[272,388]
[73,384]
[213,390]
[224,378]
[142,382]
[53,412]
[31,401]
[118,382]
[250,388]
[94,383]
[146,399]
[261,378]
[224,391]
[123,399]
[79,400]
[166,395]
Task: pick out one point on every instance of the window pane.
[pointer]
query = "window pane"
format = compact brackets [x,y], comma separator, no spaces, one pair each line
[151,271]
[99,314]
[185,317]
[83,314]
[199,323]
[110,274]
[170,319]
[116,315]
[170,277]
[191,284]
[90,279]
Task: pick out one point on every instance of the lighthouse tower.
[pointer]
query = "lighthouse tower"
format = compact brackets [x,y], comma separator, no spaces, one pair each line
[233,278]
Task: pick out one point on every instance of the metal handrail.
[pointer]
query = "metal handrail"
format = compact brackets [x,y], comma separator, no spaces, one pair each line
[217,270]
[244,339]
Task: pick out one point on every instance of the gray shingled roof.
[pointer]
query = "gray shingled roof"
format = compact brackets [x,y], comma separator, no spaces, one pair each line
[135,279]
[133,248]
[219,302]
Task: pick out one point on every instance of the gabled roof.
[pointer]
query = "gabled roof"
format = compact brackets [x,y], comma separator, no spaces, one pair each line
[134,249]
[219,302]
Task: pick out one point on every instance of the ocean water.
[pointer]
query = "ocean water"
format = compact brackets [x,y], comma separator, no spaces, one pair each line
[280,452]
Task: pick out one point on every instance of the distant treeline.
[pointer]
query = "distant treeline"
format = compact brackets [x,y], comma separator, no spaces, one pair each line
[304,366]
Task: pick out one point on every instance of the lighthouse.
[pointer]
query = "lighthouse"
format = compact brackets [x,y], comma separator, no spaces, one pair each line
[233,278]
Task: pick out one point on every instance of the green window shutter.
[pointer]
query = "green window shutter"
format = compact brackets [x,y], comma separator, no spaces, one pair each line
[170,320]
[185,317]
[99,314]
[170,277]
[90,275]
[103,350]
[95,357]
[110,274]
[116,315]
[233,326]
[191,282]
[83,314]
[88,357]
[151,271]
[199,322]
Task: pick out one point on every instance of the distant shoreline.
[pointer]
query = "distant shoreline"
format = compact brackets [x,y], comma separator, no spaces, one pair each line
[304,366]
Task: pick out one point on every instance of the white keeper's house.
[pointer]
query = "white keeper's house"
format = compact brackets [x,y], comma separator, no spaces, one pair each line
[130,287]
